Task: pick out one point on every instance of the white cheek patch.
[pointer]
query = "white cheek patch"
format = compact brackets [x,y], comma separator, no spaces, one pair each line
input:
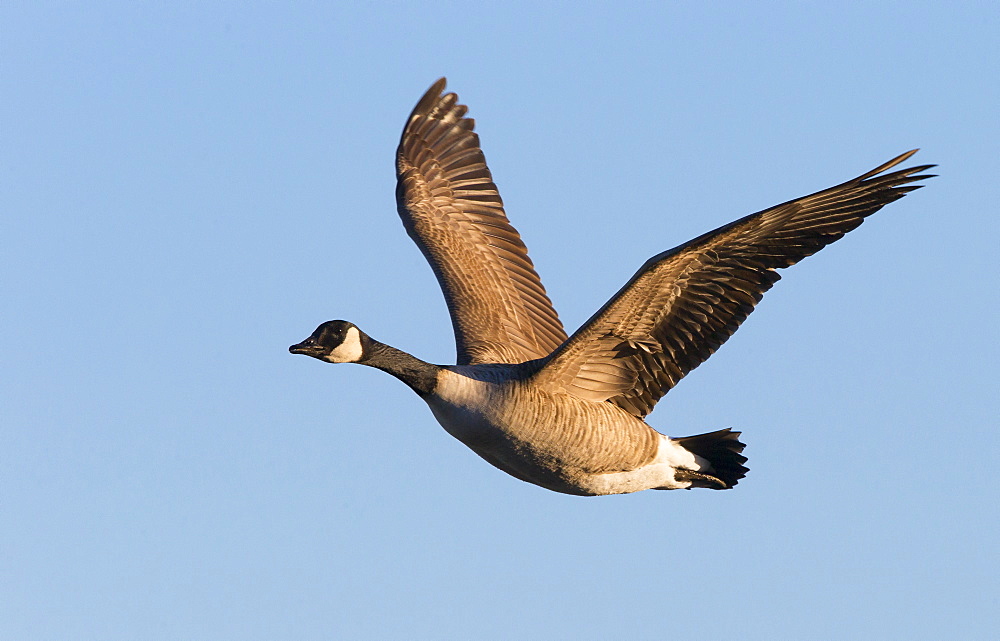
[349,351]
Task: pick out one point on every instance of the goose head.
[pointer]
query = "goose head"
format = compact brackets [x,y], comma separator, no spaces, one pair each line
[335,341]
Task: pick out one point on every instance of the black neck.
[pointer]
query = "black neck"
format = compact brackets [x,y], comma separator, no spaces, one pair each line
[419,375]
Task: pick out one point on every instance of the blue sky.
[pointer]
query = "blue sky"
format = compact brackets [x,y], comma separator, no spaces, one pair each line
[186,190]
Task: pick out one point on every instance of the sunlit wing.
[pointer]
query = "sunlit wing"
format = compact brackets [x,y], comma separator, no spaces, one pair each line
[684,303]
[452,210]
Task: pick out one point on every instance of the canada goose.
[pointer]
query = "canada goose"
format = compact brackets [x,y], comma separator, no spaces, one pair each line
[566,413]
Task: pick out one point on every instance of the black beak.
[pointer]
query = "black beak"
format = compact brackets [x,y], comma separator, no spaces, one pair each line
[307,347]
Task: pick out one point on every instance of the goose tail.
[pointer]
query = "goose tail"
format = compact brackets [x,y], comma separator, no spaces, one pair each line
[723,450]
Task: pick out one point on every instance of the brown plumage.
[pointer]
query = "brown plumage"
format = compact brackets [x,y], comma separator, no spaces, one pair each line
[453,212]
[684,303]
[566,413]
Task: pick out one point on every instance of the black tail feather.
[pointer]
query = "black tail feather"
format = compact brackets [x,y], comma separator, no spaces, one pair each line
[723,450]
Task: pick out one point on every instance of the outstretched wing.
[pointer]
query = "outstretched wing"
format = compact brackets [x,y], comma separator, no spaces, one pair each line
[684,303]
[452,210]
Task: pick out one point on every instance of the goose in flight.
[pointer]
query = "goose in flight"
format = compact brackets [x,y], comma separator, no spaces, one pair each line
[566,412]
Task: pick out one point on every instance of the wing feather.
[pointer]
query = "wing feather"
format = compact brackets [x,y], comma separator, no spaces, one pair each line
[451,208]
[686,302]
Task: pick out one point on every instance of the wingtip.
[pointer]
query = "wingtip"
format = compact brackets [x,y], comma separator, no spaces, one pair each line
[430,97]
[889,165]
[436,89]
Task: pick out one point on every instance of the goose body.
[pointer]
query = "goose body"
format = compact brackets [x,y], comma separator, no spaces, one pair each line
[566,413]
[556,441]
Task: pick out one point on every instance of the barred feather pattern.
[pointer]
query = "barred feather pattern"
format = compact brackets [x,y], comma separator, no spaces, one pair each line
[684,303]
[452,210]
